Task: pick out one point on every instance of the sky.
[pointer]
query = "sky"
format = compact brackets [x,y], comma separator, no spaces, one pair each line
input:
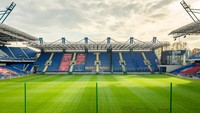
[98,19]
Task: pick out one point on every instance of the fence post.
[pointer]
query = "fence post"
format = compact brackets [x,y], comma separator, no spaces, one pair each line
[170,97]
[97,98]
[24,97]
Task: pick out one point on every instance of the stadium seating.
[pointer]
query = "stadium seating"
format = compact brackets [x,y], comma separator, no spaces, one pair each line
[3,55]
[85,62]
[30,53]
[177,71]
[138,62]
[7,51]
[80,63]
[20,72]
[42,60]
[12,71]
[65,62]
[7,72]
[29,67]
[18,53]
[19,66]
[89,64]
[105,62]
[191,71]
[115,60]
[151,56]
[55,62]
[129,62]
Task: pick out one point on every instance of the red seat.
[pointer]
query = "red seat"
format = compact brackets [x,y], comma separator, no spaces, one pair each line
[192,70]
[64,66]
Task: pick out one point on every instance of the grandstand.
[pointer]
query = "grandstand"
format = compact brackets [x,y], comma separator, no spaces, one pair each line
[87,56]
[15,61]
[84,56]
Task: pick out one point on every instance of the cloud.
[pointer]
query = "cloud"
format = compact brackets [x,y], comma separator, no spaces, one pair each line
[157,5]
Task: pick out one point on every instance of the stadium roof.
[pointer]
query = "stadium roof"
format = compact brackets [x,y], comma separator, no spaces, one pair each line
[136,45]
[189,29]
[10,34]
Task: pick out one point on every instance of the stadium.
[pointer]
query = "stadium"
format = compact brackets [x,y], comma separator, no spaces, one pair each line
[105,76]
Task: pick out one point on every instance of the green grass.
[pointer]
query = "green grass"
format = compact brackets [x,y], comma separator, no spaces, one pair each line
[117,94]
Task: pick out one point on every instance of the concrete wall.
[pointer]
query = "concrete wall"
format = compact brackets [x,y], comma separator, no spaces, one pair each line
[171,67]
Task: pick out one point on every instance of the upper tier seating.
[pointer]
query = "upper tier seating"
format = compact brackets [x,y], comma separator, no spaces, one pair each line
[7,51]
[3,55]
[29,52]
[16,53]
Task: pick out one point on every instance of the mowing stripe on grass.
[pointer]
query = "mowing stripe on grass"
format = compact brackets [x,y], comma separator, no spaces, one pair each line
[118,93]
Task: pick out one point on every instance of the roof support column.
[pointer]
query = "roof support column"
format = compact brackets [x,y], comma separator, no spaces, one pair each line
[86,42]
[63,43]
[131,40]
[41,41]
[154,40]
[63,40]
[108,40]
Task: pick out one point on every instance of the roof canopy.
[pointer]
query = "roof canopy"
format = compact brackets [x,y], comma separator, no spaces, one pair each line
[189,29]
[9,34]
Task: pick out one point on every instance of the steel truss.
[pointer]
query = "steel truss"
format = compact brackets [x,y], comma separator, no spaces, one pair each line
[189,29]
[5,13]
[135,45]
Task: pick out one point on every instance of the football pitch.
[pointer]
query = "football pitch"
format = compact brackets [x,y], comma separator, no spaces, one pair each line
[116,94]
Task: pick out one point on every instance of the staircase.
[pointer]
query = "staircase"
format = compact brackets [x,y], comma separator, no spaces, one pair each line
[11,52]
[26,67]
[146,61]
[72,63]
[48,62]
[122,62]
[97,63]
[24,52]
